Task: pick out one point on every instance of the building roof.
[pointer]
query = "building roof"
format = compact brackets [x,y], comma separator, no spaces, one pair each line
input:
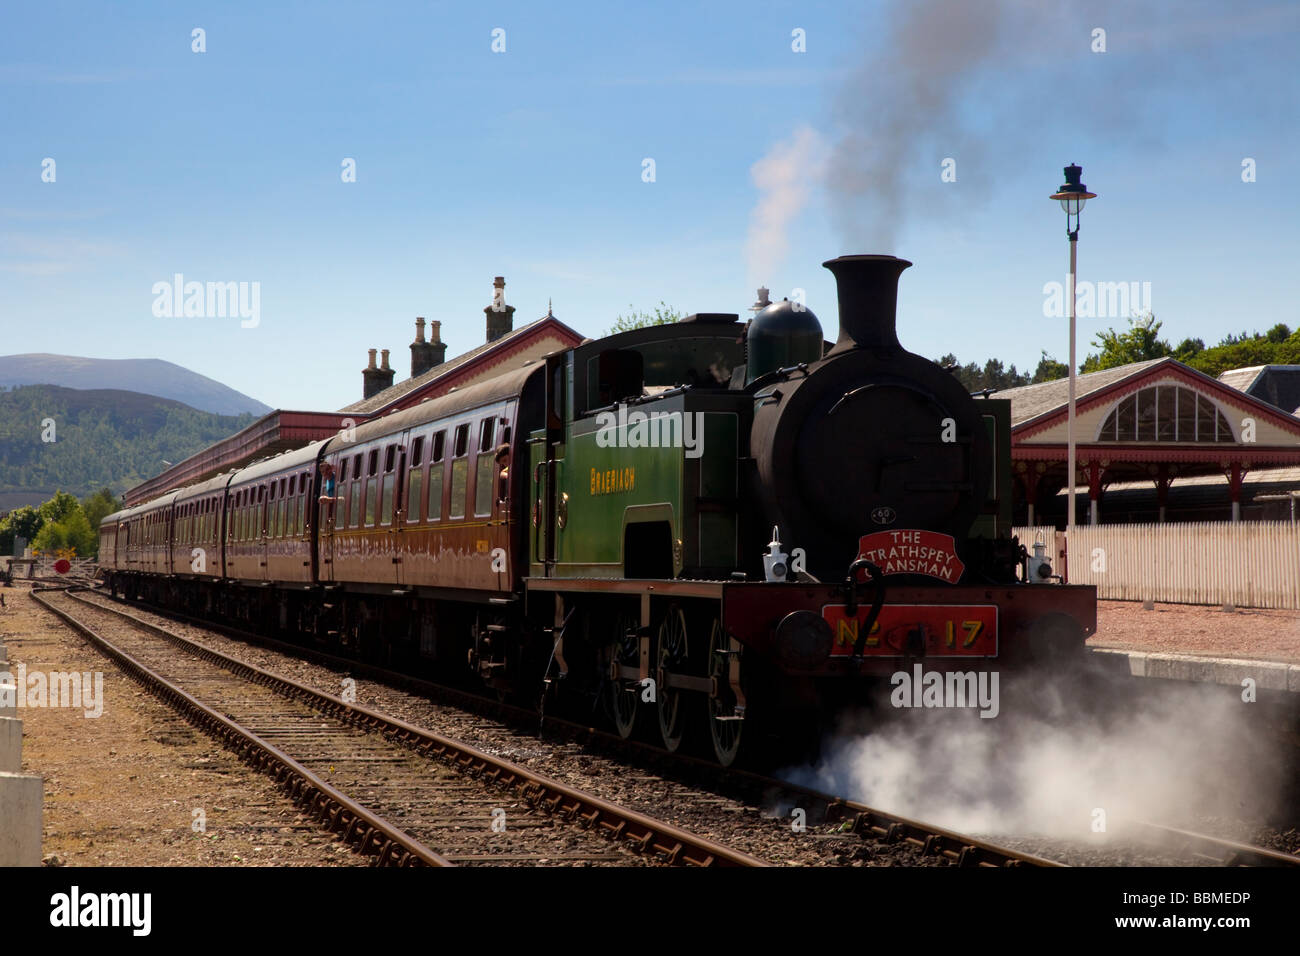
[274,432]
[1031,401]
[1279,385]
[482,354]
[1241,378]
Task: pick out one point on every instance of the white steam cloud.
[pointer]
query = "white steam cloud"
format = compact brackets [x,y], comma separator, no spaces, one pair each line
[785,177]
[1175,758]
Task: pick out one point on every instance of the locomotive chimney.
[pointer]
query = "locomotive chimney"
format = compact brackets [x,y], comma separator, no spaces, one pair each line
[868,294]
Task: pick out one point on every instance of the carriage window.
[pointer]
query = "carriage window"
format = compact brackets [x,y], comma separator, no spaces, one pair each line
[436,469]
[459,486]
[462,441]
[414,482]
[389,484]
[354,515]
[484,469]
[343,471]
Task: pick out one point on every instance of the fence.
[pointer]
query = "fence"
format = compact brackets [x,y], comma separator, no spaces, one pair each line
[1247,564]
[81,569]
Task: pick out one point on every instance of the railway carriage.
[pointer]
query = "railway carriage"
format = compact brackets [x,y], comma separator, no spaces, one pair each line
[196,552]
[703,529]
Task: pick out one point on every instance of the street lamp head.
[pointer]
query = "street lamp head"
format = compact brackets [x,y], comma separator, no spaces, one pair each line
[1073,194]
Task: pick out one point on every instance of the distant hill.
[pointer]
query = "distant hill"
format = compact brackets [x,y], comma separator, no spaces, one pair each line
[103,438]
[150,376]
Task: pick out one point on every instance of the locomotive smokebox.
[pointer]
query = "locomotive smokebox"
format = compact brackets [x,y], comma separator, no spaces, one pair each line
[868,294]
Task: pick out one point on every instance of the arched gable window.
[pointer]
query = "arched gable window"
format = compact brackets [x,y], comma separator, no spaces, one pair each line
[1166,413]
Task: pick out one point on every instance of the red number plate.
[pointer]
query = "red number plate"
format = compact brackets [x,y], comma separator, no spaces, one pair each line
[953,630]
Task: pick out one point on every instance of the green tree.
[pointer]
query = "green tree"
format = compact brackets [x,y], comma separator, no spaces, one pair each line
[1049,369]
[99,506]
[24,522]
[59,507]
[975,378]
[72,532]
[1244,353]
[1140,343]
[663,314]
[1187,349]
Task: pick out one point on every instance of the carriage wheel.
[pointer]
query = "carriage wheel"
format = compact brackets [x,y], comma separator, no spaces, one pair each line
[726,734]
[622,700]
[672,653]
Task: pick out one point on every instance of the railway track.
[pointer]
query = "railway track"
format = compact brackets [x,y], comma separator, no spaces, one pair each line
[852,824]
[849,819]
[387,788]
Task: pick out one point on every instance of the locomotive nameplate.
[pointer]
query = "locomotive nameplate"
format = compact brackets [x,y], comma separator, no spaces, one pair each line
[944,630]
[912,552]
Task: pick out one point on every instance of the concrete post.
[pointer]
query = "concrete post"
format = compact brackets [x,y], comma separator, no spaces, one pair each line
[11,745]
[21,799]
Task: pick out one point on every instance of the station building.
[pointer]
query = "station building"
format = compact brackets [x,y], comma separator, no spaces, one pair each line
[1159,441]
[432,374]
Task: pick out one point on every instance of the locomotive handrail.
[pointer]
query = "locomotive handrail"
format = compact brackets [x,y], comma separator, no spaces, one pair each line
[877,602]
[780,373]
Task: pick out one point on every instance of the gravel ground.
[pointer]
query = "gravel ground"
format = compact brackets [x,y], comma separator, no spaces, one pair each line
[757,830]
[1251,633]
[754,829]
[446,810]
[121,789]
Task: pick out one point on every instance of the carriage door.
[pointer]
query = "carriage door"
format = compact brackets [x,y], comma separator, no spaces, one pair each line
[261,531]
[391,516]
[329,514]
[556,395]
[503,527]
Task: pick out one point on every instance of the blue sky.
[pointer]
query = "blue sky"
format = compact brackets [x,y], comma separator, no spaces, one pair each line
[225,166]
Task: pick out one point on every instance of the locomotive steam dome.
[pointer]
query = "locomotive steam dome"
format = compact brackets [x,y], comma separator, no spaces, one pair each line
[783,334]
[872,438]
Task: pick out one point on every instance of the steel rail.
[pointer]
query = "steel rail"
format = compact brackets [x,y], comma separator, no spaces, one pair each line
[370,833]
[865,821]
[1224,852]
[643,834]
[868,822]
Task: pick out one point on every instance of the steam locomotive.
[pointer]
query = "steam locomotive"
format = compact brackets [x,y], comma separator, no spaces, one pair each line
[705,529]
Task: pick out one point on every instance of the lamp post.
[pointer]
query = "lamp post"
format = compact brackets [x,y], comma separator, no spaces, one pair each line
[1072,196]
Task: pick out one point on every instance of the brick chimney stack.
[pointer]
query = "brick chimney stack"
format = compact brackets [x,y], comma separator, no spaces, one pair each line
[376,379]
[426,355]
[436,343]
[500,317]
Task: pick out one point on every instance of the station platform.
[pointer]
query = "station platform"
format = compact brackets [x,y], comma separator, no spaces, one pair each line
[1162,665]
